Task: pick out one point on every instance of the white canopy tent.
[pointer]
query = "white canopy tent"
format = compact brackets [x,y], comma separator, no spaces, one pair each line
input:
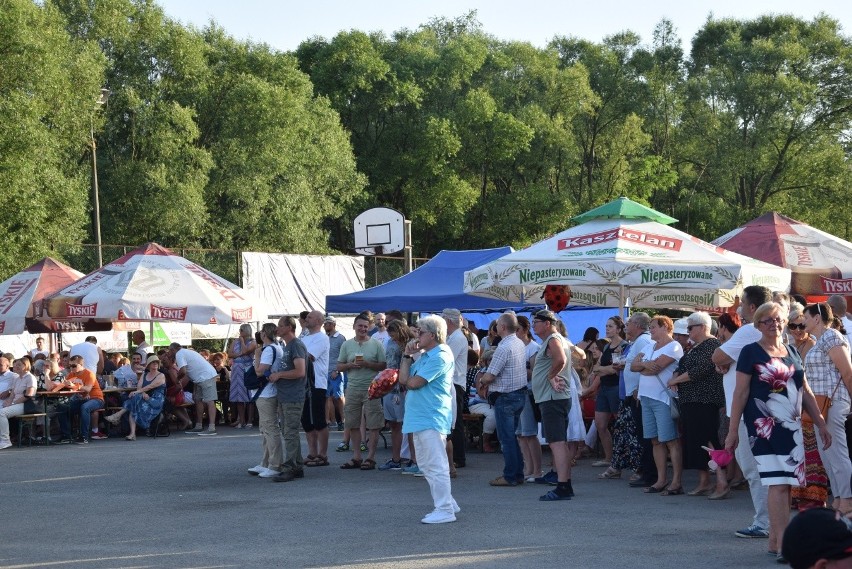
[625,262]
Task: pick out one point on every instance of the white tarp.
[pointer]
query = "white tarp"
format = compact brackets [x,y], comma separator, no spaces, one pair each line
[289,284]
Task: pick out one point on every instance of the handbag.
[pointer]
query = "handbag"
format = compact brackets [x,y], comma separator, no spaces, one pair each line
[674,403]
[823,403]
[31,406]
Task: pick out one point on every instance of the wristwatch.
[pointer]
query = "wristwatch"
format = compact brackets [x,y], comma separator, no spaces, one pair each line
[407,357]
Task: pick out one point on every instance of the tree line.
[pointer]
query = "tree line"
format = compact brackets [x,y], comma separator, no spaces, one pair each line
[208,141]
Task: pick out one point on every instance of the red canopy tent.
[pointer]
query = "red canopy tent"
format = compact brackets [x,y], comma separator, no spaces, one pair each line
[22,294]
[820,262]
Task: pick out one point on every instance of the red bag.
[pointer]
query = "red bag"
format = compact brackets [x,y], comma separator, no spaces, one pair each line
[383,383]
[175,393]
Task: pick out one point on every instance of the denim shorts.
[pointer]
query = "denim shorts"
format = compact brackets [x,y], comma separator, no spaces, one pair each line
[607,400]
[527,425]
[657,422]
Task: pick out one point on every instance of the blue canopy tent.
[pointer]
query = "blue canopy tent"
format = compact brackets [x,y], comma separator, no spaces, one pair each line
[438,284]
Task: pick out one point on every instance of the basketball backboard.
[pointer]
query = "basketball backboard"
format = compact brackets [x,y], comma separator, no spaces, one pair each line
[379,231]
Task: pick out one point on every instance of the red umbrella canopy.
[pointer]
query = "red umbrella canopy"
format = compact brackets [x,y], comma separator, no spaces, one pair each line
[22,294]
[821,263]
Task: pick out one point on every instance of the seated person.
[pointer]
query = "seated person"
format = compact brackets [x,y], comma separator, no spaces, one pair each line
[175,394]
[144,404]
[128,375]
[88,398]
[21,387]
[112,362]
[478,405]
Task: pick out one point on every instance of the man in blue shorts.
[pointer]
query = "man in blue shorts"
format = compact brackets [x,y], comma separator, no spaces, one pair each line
[336,379]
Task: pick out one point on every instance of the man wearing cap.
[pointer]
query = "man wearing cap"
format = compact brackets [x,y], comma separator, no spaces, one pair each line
[504,384]
[818,538]
[552,392]
[457,343]
[193,365]
[681,334]
[334,390]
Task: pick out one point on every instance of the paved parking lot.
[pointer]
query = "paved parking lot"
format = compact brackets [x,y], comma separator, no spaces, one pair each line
[187,501]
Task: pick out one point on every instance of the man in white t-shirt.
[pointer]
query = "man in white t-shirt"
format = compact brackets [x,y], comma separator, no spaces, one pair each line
[725,359]
[203,376]
[381,333]
[39,349]
[93,356]
[142,347]
[457,342]
[313,415]
[7,376]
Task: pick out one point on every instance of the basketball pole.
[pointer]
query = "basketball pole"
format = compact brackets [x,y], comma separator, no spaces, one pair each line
[407,248]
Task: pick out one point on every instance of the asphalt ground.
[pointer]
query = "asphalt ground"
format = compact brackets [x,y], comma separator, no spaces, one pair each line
[187,501]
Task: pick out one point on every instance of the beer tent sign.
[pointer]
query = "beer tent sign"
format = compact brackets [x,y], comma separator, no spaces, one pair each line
[821,263]
[153,284]
[607,261]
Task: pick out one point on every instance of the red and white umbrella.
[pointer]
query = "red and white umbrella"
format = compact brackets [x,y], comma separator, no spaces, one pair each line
[821,263]
[22,294]
[153,284]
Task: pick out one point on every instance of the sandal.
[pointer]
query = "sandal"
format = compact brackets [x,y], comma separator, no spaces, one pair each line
[368,464]
[130,438]
[610,474]
[654,490]
[353,464]
[113,419]
[317,461]
[672,492]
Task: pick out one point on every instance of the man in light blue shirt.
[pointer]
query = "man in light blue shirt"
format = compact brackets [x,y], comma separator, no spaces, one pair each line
[428,411]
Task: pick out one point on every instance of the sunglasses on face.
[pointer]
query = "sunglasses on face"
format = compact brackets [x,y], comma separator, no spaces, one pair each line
[792,326]
[73,366]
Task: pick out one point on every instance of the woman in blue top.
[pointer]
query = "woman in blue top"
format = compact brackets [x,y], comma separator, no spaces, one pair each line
[146,402]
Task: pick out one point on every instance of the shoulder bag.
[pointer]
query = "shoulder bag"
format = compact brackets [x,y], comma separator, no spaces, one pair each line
[674,403]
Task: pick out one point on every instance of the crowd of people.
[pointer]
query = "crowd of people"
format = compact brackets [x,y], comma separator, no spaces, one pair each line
[763,392]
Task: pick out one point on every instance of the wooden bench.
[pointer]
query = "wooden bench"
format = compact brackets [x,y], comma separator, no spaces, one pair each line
[28,420]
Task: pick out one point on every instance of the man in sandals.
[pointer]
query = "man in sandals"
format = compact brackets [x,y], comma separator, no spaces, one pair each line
[552,392]
[361,358]
[313,414]
[290,386]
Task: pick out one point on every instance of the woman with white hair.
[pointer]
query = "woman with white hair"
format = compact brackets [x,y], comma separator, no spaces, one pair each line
[701,395]
[426,371]
[241,353]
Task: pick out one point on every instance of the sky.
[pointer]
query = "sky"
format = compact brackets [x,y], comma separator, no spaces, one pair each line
[283,24]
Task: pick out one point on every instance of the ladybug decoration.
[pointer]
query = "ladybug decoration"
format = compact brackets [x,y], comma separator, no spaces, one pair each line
[557,297]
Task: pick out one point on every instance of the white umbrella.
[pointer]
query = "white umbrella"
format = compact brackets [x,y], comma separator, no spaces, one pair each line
[153,284]
[611,262]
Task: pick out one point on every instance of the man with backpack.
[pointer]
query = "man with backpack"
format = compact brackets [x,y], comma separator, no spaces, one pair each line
[268,359]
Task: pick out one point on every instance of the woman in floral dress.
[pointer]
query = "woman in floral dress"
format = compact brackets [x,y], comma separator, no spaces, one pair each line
[241,353]
[770,392]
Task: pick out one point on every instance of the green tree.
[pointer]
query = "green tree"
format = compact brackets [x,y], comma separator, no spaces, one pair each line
[768,110]
[48,87]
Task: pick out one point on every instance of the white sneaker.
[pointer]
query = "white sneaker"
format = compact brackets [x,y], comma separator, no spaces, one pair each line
[268,473]
[437,517]
[255,470]
[5,444]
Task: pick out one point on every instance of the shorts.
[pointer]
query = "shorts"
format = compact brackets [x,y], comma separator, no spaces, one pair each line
[205,390]
[394,411]
[657,422]
[527,425]
[554,419]
[335,386]
[356,402]
[607,400]
[313,413]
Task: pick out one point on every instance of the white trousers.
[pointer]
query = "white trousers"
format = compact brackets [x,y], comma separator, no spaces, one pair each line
[5,414]
[431,449]
[836,457]
[759,492]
